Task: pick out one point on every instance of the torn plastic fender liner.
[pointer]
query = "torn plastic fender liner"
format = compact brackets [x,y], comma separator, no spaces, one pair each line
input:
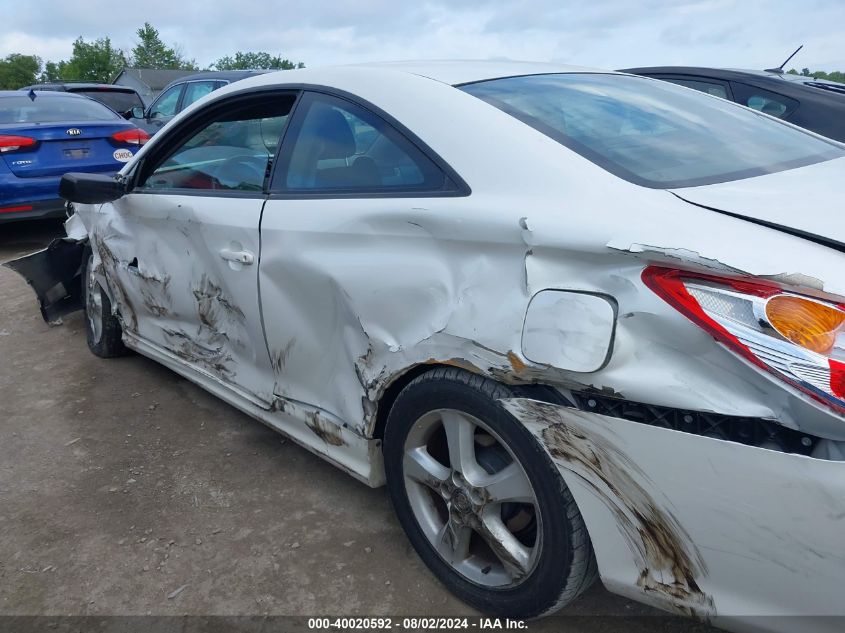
[55,274]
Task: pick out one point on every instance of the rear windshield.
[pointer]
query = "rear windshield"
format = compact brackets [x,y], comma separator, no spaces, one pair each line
[118,101]
[52,109]
[654,133]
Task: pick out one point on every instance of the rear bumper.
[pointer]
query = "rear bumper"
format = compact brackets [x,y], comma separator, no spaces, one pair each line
[33,198]
[745,537]
[38,210]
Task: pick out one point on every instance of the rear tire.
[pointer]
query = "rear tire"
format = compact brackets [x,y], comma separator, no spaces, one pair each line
[449,497]
[102,328]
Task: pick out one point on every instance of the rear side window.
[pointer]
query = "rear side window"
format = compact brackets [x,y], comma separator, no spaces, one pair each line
[764,101]
[339,146]
[52,109]
[653,133]
[196,90]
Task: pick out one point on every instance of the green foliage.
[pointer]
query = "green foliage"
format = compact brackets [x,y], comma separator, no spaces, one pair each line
[51,72]
[255,60]
[18,70]
[820,74]
[99,61]
[96,61]
[152,52]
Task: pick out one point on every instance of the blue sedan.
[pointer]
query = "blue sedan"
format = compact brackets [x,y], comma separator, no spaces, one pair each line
[45,134]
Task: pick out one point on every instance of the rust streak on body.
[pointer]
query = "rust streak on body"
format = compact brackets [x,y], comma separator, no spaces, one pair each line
[516,362]
[670,565]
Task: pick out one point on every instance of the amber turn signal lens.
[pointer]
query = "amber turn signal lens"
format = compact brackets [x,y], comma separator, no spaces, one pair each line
[810,324]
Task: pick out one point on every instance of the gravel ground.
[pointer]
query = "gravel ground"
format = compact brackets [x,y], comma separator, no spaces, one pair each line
[126,490]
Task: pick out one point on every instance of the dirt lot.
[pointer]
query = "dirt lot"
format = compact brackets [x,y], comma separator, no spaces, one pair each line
[124,489]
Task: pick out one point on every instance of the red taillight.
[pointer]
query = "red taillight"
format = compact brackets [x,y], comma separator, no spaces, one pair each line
[750,317]
[837,378]
[135,136]
[10,143]
[668,284]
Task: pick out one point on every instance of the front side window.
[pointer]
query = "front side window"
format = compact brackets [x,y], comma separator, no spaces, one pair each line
[339,146]
[231,152]
[166,104]
[652,133]
[196,90]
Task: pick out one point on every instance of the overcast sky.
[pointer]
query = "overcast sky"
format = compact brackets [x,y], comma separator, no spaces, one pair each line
[600,33]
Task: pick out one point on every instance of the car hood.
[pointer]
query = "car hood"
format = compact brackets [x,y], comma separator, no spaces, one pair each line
[807,201]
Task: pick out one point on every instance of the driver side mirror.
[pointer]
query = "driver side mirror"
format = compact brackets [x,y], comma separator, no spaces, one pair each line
[90,188]
[137,112]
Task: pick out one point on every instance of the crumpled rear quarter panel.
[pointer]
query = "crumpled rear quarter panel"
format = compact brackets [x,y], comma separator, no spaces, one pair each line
[722,531]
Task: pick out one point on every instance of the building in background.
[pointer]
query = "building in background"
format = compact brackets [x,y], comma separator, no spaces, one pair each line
[148,82]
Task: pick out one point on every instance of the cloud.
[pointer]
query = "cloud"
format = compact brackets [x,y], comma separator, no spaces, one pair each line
[601,33]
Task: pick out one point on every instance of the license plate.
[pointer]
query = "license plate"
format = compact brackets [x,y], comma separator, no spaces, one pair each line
[82,152]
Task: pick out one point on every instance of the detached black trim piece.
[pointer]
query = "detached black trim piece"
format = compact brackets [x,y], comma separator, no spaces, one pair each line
[55,274]
[749,431]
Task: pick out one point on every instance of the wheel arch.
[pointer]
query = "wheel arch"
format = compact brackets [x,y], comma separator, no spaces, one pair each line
[384,404]
[388,396]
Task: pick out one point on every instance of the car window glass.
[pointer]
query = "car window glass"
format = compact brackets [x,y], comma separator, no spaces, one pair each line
[196,90]
[119,101]
[715,89]
[52,108]
[166,103]
[340,146]
[653,133]
[764,104]
[763,100]
[233,152]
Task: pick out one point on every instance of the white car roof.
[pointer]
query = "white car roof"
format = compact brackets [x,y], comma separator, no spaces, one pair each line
[454,72]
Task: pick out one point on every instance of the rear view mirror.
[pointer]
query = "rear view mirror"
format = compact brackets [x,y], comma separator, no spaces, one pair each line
[90,188]
[137,112]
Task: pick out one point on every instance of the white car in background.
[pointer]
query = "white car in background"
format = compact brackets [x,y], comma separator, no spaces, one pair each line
[580,323]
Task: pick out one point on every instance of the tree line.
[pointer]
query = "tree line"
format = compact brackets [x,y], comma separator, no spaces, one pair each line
[819,74]
[99,61]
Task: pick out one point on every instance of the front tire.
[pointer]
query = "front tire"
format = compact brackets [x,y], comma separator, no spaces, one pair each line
[102,328]
[480,501]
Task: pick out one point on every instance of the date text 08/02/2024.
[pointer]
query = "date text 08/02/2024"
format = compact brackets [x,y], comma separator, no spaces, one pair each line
[415,624]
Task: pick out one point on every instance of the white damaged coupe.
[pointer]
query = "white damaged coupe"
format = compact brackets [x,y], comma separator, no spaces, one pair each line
[581,324]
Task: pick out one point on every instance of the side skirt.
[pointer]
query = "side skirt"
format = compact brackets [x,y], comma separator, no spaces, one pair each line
[311,427]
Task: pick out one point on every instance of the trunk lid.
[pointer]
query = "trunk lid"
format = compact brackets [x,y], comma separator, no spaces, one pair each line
[808,201]
[68,146]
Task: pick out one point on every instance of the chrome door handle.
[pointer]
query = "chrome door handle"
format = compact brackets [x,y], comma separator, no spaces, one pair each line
[241,257]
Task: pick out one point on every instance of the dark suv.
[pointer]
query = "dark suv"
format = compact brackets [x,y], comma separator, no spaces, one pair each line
[121,99]
[181,93]
[814,104]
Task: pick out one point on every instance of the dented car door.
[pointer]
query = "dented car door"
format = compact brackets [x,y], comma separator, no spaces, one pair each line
[184,246]
[334,228]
